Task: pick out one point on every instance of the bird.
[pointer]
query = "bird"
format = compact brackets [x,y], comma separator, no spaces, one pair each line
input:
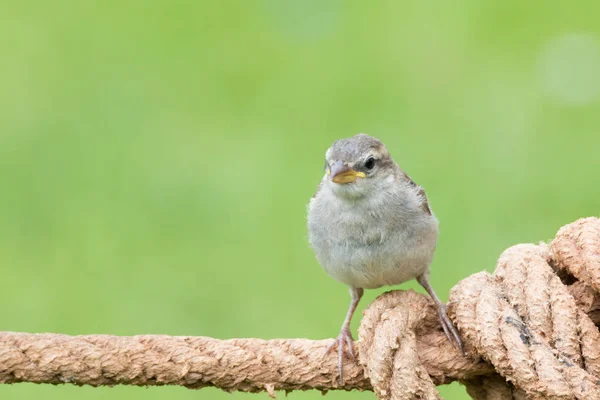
[370,225]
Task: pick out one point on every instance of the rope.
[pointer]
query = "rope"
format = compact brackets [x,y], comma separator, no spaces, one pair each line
[249,365]
[529,329]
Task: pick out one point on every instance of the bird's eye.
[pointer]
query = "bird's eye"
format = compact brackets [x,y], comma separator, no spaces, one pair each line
[370,163]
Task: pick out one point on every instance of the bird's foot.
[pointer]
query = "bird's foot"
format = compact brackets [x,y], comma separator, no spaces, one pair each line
[344,338]
[449,328]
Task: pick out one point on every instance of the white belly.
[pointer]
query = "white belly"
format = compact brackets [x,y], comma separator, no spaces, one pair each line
[382,239]
[369,252]
[397,259]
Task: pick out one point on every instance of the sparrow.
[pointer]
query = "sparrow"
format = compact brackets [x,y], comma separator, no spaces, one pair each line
[370,225]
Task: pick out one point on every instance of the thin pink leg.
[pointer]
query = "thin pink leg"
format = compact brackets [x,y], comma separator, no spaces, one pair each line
[345,336]
[447,325]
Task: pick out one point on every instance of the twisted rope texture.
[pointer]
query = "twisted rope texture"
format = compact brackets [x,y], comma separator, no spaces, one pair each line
[529,329]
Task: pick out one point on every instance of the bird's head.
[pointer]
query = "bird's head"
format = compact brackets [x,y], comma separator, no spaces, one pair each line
[358,166]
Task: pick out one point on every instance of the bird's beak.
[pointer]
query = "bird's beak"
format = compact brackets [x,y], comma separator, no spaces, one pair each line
[341,173]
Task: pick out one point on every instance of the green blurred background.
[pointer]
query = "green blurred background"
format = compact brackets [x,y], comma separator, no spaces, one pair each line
[156,158]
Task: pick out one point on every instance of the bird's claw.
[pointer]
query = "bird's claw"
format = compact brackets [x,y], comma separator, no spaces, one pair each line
[450,330]
[344,338]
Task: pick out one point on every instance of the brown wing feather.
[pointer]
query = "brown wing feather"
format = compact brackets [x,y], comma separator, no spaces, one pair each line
[421,193]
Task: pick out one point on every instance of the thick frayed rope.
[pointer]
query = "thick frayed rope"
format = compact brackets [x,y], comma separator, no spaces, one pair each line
[529,330]
[532,327]
[525,321]
[249,365]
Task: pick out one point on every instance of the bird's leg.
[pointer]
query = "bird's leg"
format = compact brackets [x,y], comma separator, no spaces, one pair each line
[449,328]
[345,336]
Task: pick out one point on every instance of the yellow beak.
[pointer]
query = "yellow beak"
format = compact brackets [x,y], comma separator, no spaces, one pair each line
[341,173]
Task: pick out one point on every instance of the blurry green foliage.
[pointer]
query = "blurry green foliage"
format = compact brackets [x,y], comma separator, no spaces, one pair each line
[156,157]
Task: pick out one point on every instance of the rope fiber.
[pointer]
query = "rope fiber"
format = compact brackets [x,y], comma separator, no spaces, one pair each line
[530,332]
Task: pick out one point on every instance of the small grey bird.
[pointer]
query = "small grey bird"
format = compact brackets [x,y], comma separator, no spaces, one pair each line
[370,225]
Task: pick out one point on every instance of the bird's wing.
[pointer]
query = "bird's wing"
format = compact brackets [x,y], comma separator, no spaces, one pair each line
[420,193]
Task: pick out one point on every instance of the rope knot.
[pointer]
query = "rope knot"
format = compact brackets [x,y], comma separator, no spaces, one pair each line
[388,345]
[532,321]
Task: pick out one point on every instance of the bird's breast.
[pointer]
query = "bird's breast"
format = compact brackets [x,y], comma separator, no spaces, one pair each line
[371,248]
